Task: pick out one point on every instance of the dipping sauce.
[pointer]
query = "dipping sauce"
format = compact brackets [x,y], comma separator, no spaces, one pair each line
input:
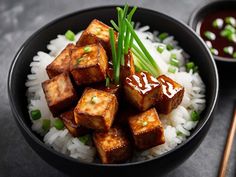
[218,29]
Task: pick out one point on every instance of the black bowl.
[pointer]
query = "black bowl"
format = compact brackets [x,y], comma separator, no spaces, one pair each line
[77,21]
[203,10]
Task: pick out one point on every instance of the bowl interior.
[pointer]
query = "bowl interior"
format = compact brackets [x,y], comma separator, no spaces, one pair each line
[202,11]
[188,40]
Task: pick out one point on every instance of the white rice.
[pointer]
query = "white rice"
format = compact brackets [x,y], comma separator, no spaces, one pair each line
[177,124]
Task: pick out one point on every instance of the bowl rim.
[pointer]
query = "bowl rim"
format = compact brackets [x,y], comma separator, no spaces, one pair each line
[205,6]
[29,131]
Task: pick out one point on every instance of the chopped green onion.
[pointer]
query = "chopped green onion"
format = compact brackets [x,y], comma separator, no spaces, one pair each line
[195,116]
[218,23]
[179,133]
[107,82]
[86,139]
[35,114]
[94,99]
[234,55]
[162,36]
[230,28]
[58,124]
[229,50]
[172,69]
[169,47]
[209,35]
[145,123]
[173,55]
[214,51]
[230,20]
[87,49]
[160,48]
[189,66]
[232,37]
[46,124]
[225,33]
[70,35]
[79,60]
[174,62]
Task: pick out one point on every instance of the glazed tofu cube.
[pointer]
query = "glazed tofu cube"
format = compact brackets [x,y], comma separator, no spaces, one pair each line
[88,64]
[61,63]
[96,109]
[96,32]
[172,95]
[112,146]
[128,69]
[147,129]
[142,89]
[69,122]
[59,93]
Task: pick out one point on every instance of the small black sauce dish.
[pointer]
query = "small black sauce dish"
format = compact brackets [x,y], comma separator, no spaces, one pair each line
[203,11]
[77,21]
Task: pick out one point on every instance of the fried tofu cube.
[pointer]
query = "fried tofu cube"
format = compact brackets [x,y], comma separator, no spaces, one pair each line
[128,68]
[69,122]
[88,64]
[61,63]
[112,146]
[142,89]
[96,32]
[147,130]
[172,95]
[59,93]
[96,109]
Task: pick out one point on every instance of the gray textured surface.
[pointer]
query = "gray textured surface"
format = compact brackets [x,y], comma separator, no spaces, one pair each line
[20,18]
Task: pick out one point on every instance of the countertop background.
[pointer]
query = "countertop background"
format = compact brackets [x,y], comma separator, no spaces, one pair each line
[21,18]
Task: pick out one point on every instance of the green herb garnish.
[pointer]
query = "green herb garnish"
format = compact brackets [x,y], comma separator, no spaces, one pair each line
[209,35]
[189,66]
[163,36]
[228,50]
[230,20]
[169,47]
[218,23]
[70,35]
[225,33]
[35,114]
[78,60]
[232,38]
[195,116]
[214,51]
[179,133]
[86,139]
[172,69]
[160,48]
[234,55]
[46,124]
[174,62]
[58,124]
[87,49]
[126,37]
